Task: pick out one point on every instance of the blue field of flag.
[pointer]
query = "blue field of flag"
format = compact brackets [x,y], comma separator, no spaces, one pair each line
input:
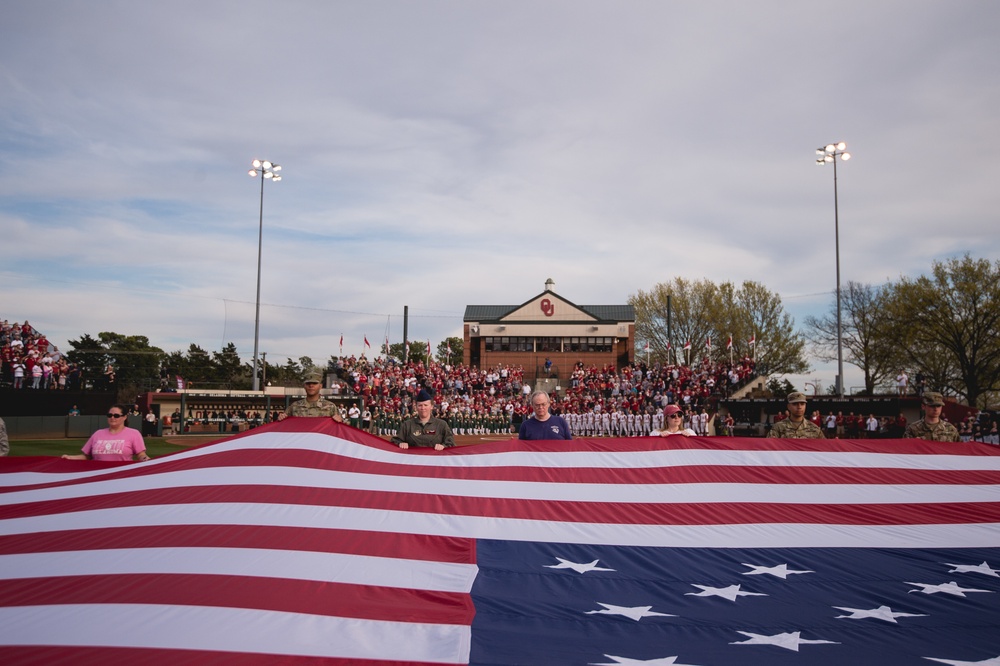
[547,604]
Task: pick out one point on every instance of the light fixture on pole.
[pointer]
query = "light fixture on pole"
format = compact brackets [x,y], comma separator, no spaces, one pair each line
[267,171]
[829,154]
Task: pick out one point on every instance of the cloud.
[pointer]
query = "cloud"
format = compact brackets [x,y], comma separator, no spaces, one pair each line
[441,154]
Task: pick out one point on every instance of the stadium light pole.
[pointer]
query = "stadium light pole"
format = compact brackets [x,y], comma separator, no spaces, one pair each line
[267,171]
[829,154]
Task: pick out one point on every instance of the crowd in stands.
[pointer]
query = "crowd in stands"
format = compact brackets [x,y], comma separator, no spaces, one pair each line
[855,426]
[598,401]
[29,361]
[980,427]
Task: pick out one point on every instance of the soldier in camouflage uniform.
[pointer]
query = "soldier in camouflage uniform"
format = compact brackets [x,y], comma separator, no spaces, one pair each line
[932,427]
[796,426]
[313,404]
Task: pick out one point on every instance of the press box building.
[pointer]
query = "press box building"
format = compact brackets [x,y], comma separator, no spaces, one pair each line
[548,327]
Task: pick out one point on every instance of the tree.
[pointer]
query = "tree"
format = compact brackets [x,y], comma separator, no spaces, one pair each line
[457,347]
[418,351]
[89,354]
[779,388]
[688,304]
[954,313]
[759,313]
[229,369]
[699,309]
[307,365]
[136,362]
[195,366]
[870,341]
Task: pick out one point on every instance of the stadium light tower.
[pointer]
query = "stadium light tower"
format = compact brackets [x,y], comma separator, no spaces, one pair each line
[829,154]
[267,171]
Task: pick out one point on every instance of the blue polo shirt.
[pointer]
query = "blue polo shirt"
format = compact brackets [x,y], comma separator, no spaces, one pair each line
[554,427]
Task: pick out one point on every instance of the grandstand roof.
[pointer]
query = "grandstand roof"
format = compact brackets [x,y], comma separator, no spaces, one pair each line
[603,313]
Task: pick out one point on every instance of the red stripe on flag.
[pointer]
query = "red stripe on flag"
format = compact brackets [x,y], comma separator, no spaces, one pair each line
[694,473]
[627,513]
[278,594]
[275,594]
[113,656]
[310,539]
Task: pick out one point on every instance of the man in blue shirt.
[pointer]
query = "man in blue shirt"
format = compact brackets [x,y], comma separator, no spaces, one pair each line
[543,425]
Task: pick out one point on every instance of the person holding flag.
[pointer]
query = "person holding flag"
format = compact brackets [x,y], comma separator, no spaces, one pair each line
[543,424]
[796,426]
[423,429]
[313,404]
[117,442]
[673,423]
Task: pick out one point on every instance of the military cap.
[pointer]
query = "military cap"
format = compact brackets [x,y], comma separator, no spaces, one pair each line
[796,397]
[424,395]
[314,376]
[933,399]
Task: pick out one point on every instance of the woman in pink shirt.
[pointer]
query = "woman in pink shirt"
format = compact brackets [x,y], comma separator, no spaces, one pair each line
[116,442]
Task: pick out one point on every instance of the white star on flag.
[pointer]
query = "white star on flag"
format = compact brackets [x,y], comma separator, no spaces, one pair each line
[780,571]
[983,568]
[625,661]
[788,640]
[730,592]
[880,613]
[992,661]
[579,567]
[632,612]
[947,588]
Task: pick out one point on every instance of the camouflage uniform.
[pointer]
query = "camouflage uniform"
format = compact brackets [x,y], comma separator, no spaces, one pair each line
[805,430]
[942,431]
[319,408]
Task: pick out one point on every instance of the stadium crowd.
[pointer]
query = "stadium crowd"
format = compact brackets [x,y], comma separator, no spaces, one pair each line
[598,401]
[29,361]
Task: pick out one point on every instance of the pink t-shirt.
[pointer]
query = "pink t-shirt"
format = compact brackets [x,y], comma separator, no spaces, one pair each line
[105,445]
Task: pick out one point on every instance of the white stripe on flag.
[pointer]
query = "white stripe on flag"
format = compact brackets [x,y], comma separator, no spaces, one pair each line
[232,630]
[291,564]
[665,493]
[754,535]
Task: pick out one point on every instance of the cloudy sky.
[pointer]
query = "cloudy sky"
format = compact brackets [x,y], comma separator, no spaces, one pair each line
[439,154]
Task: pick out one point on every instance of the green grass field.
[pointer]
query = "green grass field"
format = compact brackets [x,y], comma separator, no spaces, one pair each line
[155,447]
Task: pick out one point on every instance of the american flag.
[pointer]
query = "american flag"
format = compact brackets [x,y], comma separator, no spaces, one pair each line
[309,542]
